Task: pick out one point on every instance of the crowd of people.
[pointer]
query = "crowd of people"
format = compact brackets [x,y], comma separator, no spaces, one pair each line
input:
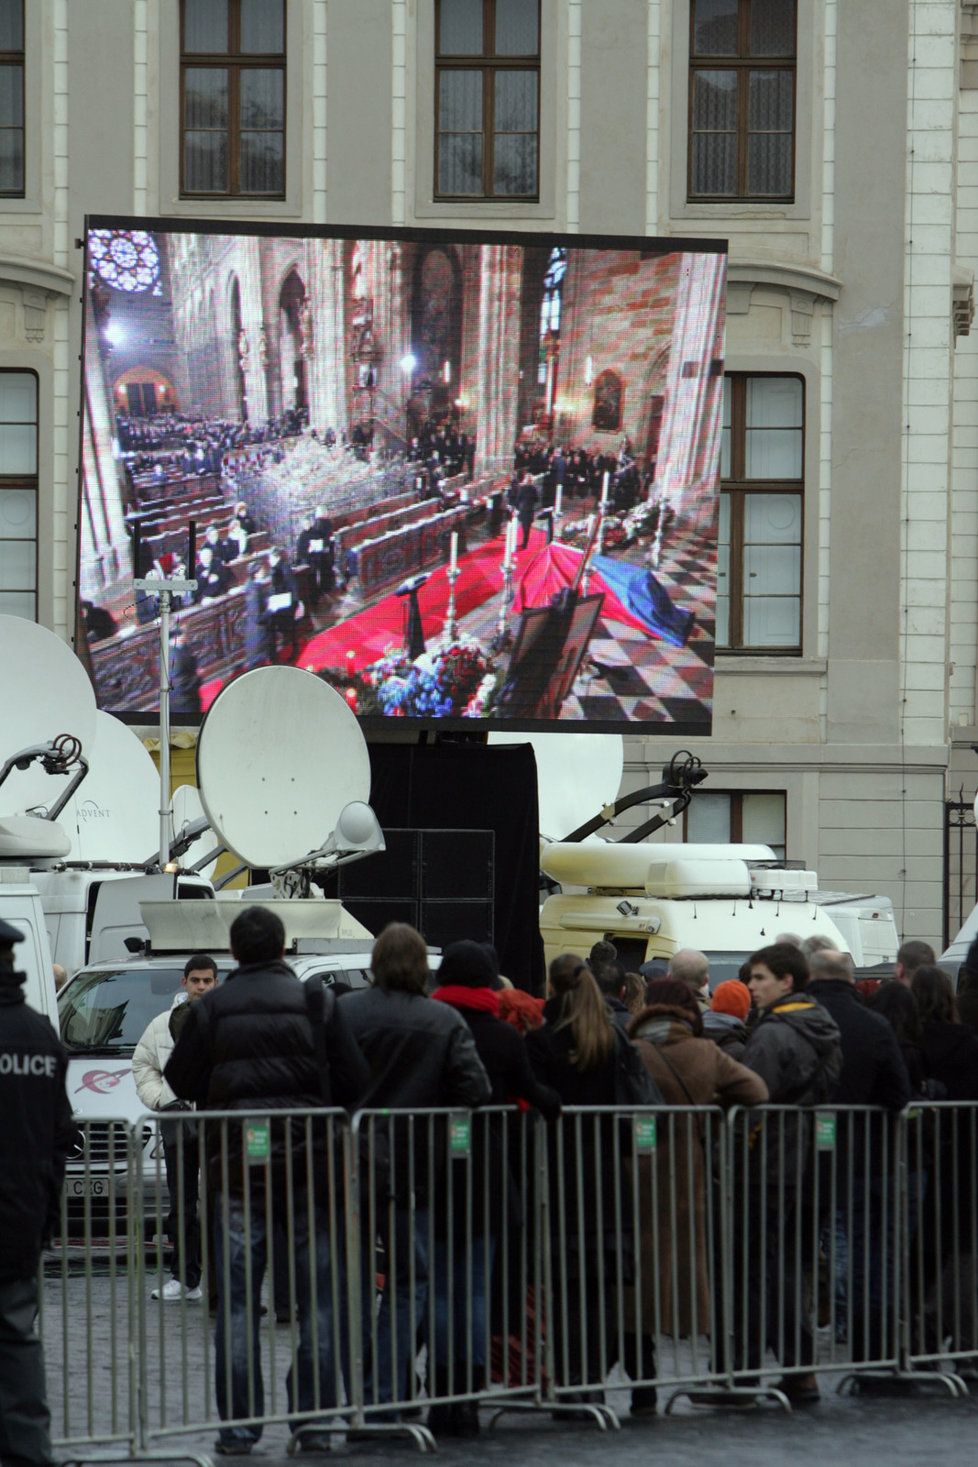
[581,474]
[794,1031]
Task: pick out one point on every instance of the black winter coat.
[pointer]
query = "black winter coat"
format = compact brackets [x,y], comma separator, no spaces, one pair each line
[587,1212]
[951,1056]
[873,1069]
[250,1045]
[500,1143]
[36,1131]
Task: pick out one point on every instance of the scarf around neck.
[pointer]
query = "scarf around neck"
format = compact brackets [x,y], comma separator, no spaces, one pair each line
[483,1000]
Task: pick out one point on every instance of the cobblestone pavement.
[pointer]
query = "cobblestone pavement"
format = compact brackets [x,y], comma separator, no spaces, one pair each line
[89,1383]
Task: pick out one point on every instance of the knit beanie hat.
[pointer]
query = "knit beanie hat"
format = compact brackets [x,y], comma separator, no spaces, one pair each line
[466,965]
[732,997]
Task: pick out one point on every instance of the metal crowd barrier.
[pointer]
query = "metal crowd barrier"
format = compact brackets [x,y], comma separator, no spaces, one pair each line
[345,1276]
[86,1277]
[939,1327]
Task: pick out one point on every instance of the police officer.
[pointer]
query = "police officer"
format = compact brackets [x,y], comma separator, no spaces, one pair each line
[36,1135]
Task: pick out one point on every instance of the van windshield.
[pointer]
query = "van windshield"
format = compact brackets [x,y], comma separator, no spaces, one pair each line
[108,1010]
[724,965]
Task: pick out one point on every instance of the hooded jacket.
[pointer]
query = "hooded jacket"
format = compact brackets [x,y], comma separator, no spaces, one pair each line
[796,1049]
[727,1032]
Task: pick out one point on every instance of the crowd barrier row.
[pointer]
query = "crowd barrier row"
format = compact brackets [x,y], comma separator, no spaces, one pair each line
[357,1273]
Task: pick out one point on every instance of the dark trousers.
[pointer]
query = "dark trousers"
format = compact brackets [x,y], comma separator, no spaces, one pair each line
[240,1258]
[767,1309]
[181,1157]
[25,1420]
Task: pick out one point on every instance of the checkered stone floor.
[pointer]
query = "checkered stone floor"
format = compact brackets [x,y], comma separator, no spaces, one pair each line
[630,676]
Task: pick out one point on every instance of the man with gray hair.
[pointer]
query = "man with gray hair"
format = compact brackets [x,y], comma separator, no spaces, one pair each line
[817,943]
[693,969]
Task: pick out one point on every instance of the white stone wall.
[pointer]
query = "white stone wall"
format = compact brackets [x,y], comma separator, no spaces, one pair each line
[963,640]
[928,335]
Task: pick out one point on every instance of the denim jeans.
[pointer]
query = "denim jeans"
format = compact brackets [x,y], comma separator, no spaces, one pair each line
[460,1280]
[313,1381]
[403,1234]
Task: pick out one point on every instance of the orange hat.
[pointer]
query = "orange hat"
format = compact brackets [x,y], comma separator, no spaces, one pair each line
[732,997]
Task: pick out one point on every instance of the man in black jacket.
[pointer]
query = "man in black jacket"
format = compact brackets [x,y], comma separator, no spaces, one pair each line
[422,1057]
[873,1073]
[36,1135]
[262,1042]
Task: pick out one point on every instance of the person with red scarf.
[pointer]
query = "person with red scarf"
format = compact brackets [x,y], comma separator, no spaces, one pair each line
[485,1198]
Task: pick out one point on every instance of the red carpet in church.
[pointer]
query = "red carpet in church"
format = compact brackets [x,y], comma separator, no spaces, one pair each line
[540,572]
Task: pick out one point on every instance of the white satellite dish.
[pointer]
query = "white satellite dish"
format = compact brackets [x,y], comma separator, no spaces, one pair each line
[577,774]
[186,807]
[49,693]
[279,756]
[113,814]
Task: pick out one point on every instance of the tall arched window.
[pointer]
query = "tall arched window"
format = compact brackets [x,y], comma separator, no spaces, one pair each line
[553,285]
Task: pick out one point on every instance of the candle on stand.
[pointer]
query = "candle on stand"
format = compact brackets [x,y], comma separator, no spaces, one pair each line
[351,658]
[559,499]
[453,558]
[604,487]
[351,699]
[591,519]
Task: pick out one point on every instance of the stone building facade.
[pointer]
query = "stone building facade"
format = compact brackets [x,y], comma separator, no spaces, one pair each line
[845,728]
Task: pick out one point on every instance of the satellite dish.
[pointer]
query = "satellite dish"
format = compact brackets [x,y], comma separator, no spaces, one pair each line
[113,815]
[577,774]
[49,693]
[279,756]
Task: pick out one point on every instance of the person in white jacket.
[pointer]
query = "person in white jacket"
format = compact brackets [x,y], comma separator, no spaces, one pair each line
[180,1150]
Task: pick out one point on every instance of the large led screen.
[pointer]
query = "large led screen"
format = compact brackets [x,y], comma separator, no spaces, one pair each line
[464,477]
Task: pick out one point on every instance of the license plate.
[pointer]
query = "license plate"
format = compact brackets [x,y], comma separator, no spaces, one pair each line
[93,1187]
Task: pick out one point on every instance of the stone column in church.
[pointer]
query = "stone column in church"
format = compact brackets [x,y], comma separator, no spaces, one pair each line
[692,396]
[105,550]
[497,382]
[326,372]
[251,345]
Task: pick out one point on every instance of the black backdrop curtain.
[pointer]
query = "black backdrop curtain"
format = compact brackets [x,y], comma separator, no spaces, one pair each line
[476,787]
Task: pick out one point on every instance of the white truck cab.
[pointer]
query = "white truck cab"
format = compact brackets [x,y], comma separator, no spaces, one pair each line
[725,901]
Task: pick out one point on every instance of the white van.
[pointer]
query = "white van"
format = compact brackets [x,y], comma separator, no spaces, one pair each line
[20,905]
[105,1008]
[90,908]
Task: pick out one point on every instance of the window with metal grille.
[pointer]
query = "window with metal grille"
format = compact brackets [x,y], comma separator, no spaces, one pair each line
[742,99]
[232,98]
[487,99]
[18,494]
[759,570]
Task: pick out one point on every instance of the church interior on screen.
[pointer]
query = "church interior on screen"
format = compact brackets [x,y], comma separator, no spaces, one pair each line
[459,480]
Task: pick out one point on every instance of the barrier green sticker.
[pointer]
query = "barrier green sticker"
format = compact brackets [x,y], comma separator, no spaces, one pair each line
[258,1142]
[460,1136]
[645,1137]
[825,1131]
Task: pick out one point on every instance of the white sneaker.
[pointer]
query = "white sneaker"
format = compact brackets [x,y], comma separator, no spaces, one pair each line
[174,1289]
